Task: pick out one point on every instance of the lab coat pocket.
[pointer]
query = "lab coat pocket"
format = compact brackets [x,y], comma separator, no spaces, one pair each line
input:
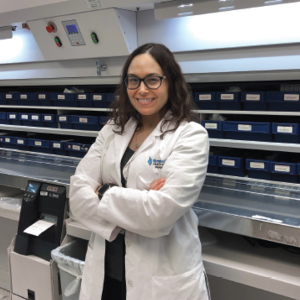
[143,184]
[188,286]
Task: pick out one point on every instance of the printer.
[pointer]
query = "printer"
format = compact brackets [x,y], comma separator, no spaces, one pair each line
[41,202]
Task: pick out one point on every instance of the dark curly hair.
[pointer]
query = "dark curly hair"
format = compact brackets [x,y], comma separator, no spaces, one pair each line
[180,100]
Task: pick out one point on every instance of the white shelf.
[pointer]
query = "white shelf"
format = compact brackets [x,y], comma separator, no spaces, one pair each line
[270,269]
[77,230]
[248,112]
[55,108]
[60,131]
[270,146]
[254,180]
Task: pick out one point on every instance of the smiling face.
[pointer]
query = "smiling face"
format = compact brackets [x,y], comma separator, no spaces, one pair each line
[148,102]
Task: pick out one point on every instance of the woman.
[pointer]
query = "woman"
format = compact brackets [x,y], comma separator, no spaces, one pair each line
[143,174]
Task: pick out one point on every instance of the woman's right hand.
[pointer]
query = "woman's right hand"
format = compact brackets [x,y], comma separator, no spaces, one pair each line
[158,184]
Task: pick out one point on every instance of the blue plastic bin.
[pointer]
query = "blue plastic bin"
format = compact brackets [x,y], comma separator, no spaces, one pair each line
[58,147]
[11,98]
[286,132]
[258,167]
[283,101]
[254,100]
[64,121]
[77,148]
[3,118]
[214,128]
[28,99]
[285,168]
[25,119]
[13,119]
[83,100]
[229,100]
[49,120]
[38,144]
[2,99]
[36,119]
[98,100]
[43,98]
[104,120]
[250,131]
[63,99]
[213,164]
[232,164]
[85,122]
[13,141]
[206,100]
[109,98]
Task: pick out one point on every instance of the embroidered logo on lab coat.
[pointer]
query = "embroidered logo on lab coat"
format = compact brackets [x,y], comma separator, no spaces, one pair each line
[156,162]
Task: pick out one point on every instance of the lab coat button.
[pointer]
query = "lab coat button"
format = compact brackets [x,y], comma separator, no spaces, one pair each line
[130,283]
[128,243]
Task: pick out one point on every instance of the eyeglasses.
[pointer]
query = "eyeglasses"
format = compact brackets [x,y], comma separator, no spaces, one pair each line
[152,82]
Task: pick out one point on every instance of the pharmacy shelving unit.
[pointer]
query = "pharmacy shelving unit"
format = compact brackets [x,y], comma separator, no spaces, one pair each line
[262,209]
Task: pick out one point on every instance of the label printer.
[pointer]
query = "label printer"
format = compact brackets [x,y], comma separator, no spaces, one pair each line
[41,224]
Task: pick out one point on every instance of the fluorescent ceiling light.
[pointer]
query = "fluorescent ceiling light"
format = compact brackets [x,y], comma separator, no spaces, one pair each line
[182,8]
[185,5]
[6,32]
[227,8]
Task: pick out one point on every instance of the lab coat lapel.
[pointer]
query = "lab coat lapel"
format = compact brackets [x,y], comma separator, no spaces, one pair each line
[122,141]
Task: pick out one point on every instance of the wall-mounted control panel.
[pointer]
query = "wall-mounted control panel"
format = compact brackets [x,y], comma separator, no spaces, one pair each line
[73,32]
[100,33]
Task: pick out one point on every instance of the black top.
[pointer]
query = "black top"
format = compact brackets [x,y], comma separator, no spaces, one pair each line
[127,155]
[115,250]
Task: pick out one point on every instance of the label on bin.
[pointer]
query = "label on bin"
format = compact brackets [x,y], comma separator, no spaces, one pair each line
[62,97]
[8,96]
[97,97]
[42,96]
[62,118]
[252,97]
[244,127]
[56,145]
[34,117]
[23,96]
[12,116]
[228,162]
[227,96]
[37,143]
[282,168]
[48,118]
[211,125]
[75,147]
[7,140]
[20,142]
[25,117]
[39,227]
[205,97]
[291,97]
[256,165]
[83,120]
[82,97]
[286,129]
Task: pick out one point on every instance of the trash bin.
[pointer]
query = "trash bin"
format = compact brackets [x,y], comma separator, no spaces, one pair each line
[70,259]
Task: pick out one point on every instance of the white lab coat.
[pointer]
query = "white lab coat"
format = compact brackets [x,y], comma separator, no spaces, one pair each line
[163,251]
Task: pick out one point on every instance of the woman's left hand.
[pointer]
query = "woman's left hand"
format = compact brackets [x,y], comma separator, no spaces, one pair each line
[157,185]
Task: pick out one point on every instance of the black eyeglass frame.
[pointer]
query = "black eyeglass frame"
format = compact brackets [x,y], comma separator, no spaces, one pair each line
[143,79]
